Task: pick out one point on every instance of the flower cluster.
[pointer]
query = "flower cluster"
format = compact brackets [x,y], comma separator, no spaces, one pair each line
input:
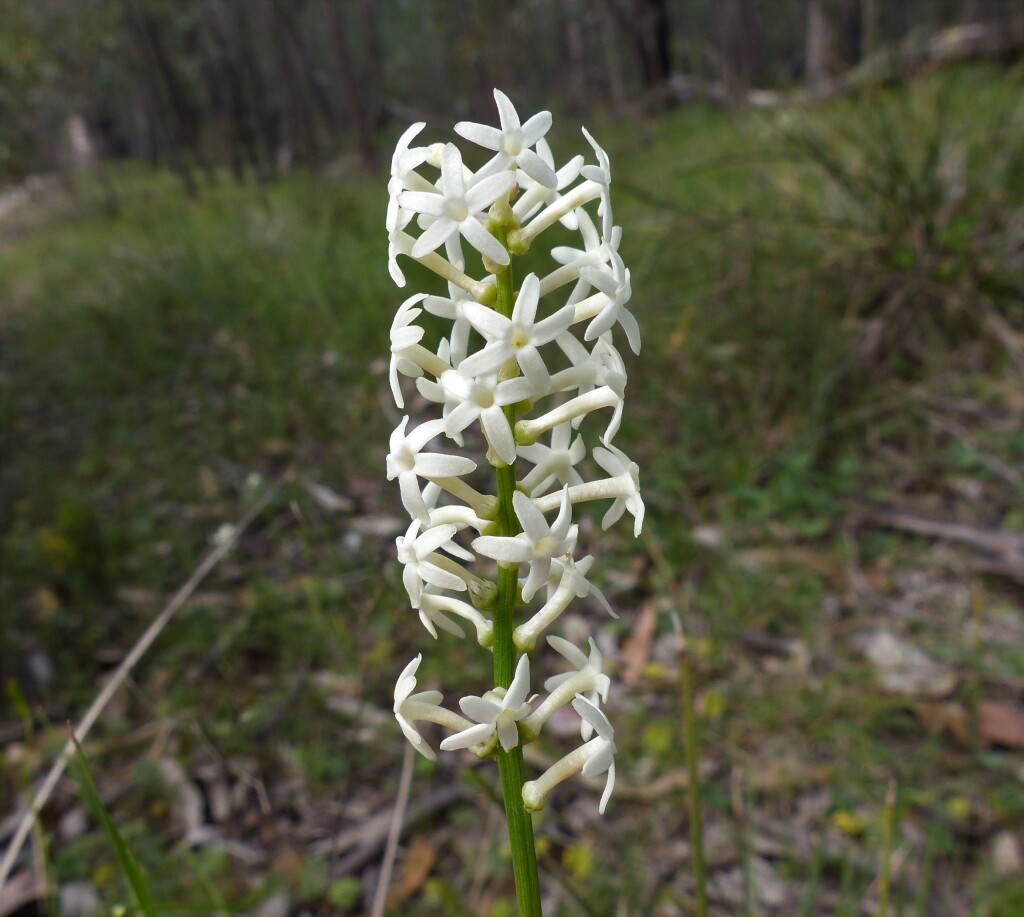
[516,371]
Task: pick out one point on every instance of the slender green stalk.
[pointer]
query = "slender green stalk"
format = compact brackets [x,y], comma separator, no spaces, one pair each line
[510,763]
[739,808]
[809,901]
[888,839]
[693,780]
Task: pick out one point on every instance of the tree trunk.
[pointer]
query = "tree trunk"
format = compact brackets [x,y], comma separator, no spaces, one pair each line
[351,96]
[736,25]
[868,27]
[612,61]
[817,52]
[577,60]
[653,37]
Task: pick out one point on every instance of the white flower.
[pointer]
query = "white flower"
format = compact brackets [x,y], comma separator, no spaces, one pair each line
[518,337]
[623,487]
[627,472]
[457,208]
[592,759]
[537,544]
[408,464]
[587,680]
[601,366]
[535,195]
[422,565]
[434,609]
[601,174]
[581,586]
[614,283]
[497,712]
[566,580]
[404,335]
[403,163]
[470,398]
[595,251]
[403,695]
[452,307]
[553,463]
[513,141]
[411,707]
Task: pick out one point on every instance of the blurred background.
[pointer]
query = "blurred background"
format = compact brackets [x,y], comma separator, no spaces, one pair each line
[823,212]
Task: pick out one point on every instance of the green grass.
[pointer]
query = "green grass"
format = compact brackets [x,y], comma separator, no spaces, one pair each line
[799,324]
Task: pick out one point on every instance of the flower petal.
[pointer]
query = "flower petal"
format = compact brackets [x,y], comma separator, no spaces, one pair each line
[468,737]
[439,465]
[487,190]
[498,433]
[434,538]
[519,689]
[480,709]
[569,651]
[503,549]
[480,134]
[508,734]
[507,113]
[475,234]
[489,323]
[537,169]
[433,236]
[536,126]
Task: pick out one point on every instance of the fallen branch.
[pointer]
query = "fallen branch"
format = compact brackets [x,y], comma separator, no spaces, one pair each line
[1004,545]
[1004,550]
[144,642]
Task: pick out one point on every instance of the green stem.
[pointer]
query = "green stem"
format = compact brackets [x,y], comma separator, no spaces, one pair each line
[510,763]
[888,838]
[693,780]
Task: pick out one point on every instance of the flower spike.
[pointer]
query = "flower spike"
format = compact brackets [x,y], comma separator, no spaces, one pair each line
[511,366]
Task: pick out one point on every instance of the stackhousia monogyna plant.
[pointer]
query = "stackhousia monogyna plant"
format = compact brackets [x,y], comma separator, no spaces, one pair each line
[523,362]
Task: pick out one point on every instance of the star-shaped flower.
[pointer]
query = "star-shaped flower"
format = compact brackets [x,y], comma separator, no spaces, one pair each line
[587,677]
[592,759]
[406,462]
[553,463]
[497,712]
[613,281]
[404,698]
[512,142]
[416,551]
[537,544]
[627,473]
[518,337]
[468,398]
[457,208]
[404,335]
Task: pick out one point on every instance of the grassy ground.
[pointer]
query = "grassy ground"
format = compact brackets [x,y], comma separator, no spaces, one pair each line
[831,301]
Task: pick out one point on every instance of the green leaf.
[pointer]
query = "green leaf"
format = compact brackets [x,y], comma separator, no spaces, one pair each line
[125,860]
